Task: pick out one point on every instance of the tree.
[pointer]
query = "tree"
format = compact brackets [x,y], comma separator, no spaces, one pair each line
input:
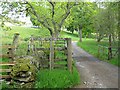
[10,13]
[106,23]
[49,14]
[81,18]
[106,20]
[70,27]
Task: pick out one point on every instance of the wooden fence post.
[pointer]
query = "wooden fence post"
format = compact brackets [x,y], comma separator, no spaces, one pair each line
[103,50]
[15,41]
[98,51]
[69,55]
[28,49]
[10,53]
[32,44]
[109,52]
[51,57]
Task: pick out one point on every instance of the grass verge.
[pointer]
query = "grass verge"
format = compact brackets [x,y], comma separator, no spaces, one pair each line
[91,46]
[65,34]
[57,78]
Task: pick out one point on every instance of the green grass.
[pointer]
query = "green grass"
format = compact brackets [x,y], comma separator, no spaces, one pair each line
[57,78]
[91,46]
[4,67]
[65,34]
[4,59]
[25,33]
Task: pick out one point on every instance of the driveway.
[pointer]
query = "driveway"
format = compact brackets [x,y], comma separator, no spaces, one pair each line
[93,72]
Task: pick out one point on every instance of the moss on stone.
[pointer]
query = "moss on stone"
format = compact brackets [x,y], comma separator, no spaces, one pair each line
[23,70]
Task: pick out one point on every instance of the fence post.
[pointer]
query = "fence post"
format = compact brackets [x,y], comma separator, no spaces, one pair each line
[51,57]
[98,51]
[32,44]
[28,49]
[10,53]
[109,52]
[15,41]
[103,50]
[69,55]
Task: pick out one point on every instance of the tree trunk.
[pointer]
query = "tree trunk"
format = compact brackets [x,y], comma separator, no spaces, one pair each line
[99,38]
[80,33]
[113,37]
[110,47]
[55,35]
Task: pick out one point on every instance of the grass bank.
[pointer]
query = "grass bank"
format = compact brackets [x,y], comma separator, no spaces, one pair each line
[91,46]
[65,34]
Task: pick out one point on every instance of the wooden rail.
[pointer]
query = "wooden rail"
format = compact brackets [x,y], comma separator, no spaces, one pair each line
[9,54]
[5,76]
[6,63]
[6,70]
[7,46]
[101,50]
[4,56]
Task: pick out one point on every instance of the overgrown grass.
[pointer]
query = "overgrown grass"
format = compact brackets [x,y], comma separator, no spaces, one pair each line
[91,46]
[57,78]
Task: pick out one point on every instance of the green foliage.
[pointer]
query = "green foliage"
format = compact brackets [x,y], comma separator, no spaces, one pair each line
[56,78]
[91,46]
[4,85]
[105,21]
[4,27]
[50,15]
[82,18]
[70,28]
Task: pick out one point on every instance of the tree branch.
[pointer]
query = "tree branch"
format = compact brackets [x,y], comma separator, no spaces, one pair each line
[53,12]
[68,6]
[52,4]
[42,22]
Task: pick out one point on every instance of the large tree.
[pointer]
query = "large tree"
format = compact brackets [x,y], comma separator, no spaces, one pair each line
[106,23]
[81,18]
[49,14]
[106,20]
